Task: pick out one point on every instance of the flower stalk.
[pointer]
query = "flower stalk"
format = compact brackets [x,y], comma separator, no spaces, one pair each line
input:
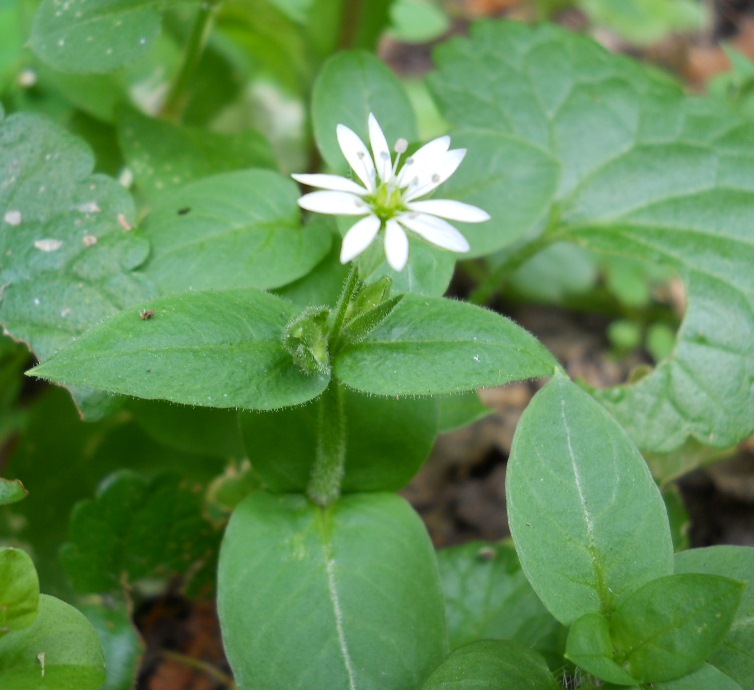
[330,455]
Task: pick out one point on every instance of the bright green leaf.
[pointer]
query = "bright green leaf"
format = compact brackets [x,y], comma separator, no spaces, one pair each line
[705,678]
[735,656]
[346,596]
[590,647]
[349,87]
[19,591]
[136,528]
[487,596]
[60,651]
[11,491]
[239,229]
[215,349]
[491,665]
[163,156]
[102,36]
[387,440]
[644,171]
[434,345]
[587,519]
[669,626]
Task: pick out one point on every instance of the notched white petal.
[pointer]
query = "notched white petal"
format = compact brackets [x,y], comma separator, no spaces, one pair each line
[359,237]
[382,159]
[358,156]
[334,183]
[450,209]
[435,230]
[396,245]
[335,203]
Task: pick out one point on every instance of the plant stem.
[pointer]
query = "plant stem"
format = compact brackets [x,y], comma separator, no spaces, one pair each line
[330,458]
[202,666]
[175,102]
[341,308]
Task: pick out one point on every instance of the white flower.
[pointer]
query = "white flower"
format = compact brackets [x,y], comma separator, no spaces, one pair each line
[388,193]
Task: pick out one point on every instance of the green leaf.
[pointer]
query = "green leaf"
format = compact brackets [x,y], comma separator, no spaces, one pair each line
[19,591]
[735,656]
[123,647]
[644,171]
[66,261]
[487,596]
[11,491]
[346,596]
[587,519]
[234,230]
[704,678]
[81,36]
[457,411]
[215,349]
[434,345]
[349,87]
[669,626]
[590,647]
[164,156]
[387,440]
[491,665]
[60,651]
[417,21]
[136,528]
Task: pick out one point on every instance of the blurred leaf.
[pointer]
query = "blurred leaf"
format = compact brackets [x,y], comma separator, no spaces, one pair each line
[19,591]
[60,651]
[417,21]
[11,491]
[704,678]
[238,229]
[136,528]
[458,411]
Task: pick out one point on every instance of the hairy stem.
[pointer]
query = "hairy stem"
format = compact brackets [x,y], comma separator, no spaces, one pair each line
[330,458]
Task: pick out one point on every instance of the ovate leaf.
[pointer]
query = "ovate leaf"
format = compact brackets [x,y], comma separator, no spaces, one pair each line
[641,170]
[240,229]
[60,651]
[735,656]
[81,36]
[587,519]
[19,591]
[668,627]
[434,345]
[217,349]
[346,596]
[11,491]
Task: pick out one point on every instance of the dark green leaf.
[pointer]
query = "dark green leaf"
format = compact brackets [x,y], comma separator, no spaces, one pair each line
[669,626]
[349,87]
[487,596]
[387,440]
[136,528]
[215,349]
[327,598]
[19,591]
[163,156]
[642,170]
[587,519]
[457,411]
[491,665]
[433,345]
[81,36]
[590,647]
[235,230]
[735,656]
[60,651]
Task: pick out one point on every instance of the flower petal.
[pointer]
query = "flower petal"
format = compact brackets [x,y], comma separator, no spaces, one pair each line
[435,230]
[430,174]
[336,203]
[452,210]
[396,245]
[380,149]
[358,157]
[428,154]
[359,237]
[335,183]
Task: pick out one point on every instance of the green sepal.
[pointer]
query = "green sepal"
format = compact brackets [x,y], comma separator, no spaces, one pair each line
[305,339]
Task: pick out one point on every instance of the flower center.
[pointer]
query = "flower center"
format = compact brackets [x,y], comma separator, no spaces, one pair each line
[387,201]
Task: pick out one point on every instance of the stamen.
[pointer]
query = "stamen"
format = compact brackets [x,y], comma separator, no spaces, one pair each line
[400,146]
